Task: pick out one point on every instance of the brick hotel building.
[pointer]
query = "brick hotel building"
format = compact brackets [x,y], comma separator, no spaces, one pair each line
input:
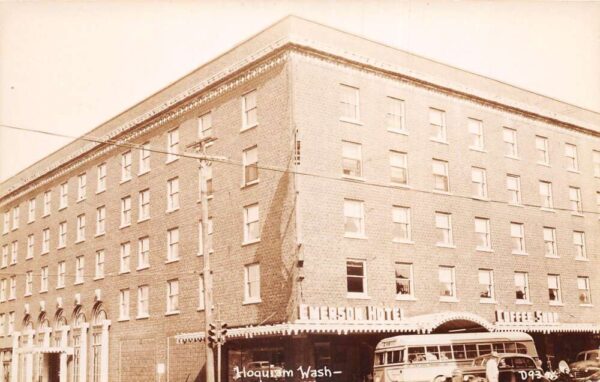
[367,192]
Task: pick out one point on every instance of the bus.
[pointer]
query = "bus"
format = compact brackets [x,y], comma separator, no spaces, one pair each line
[433,357]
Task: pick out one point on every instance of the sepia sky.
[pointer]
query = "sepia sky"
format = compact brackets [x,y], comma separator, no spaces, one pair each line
[67,67]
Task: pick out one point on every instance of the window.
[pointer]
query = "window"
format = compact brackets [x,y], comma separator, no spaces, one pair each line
[479,182]
[60,275]
[579,242]
[11,323]
[394,118]
[4,255]
[47,202]
[209,181]
[28,283]
[522,287]
[100,220]
[517,236]
[596,162]
[173,244]
[349,102]
[550,242]
[142,305]
[44,279]
[124,304]
[143,252]
[14,252]
[398,167]
[356,277]
[251,224]
[173,194]
[200,292]
[172,145]
[351,159]
[205,125]
[401,220]
[482,231]
[510,142]
[513,185]
[486,285]
[443,225]
[62,235]
[404,280]
[16,217]
[250,160]
[79,268]
[81,228]
[45,240]
[354,218]
[101,177]
[63,201]
[144,205]
[476,133]
[583,288]
[2,324]
[249,110]
[6,226]
[575,200]
[30,246]
[447,283]
[252,283]
[554,294]
[546,194]
[541,147]
[173,296]
[440,175]
[81,186]
[99,265]
[124,264]
[571,155]
[210,232]
[3,286]
[126,166]
[144,158]
[437,120]
[13,288]
[31,211]
[126,211]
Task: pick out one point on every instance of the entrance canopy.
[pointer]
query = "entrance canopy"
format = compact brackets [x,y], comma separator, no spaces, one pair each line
[45,349]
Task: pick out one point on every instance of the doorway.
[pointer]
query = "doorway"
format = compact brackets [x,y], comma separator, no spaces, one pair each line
[53,367]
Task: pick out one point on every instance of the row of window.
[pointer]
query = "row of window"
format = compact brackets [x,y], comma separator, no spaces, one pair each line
[356,280]
[395,121]
[354,224]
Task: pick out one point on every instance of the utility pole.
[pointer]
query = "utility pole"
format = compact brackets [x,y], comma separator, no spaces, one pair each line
[205,161]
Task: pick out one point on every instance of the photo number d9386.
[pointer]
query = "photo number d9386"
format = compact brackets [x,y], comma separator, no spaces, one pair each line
[533,374]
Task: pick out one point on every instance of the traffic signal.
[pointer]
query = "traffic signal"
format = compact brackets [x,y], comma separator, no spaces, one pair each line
[223,331]
[212,333]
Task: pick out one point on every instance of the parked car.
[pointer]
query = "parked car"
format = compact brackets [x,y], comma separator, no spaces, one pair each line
[586,366]
[512,367]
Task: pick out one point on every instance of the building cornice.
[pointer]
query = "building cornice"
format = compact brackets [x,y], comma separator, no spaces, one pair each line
[258,63]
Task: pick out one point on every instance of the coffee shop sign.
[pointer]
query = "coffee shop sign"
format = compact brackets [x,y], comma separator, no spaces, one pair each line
[529,317]
[349,313]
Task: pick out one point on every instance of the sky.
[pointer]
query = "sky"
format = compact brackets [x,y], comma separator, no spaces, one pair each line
[67,67]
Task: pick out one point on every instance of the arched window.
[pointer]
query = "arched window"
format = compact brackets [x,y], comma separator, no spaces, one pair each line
[99,316]
[59,322]
[78,320]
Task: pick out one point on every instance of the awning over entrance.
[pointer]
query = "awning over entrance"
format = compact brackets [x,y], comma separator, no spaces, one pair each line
[46,349]
[549,328]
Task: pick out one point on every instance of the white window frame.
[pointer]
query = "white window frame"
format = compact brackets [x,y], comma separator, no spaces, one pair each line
[126,166]
[144,205]
[398,163]
[511,147]
[549,237]
[100,220]
[30,246]
[580,245]
[28,283]
[526,291]
[12,292]
[401,217]
[349,103]
[99,264]
[5,256]
[439,126]
[411,278]
[125,257]
[45,241]
[144,158]
[172,145]
[546,199]
[143,253]
[352,204]
[14,252]
[395,115]
[61,269]
[554,284]
[47,203]
[583,284]
[251,219]
[125,212]
[173,296]
[489,285]
[80,228]
[205,125]
[124,306]
[44,279]
[249,163]
[79,270]
[31,211]
[444,231]
[100,178]
[475,127]
[352,155]
[3,290]
[485,235]
[143,302]
[173,244]
[63,201]
[62,234]
[173,194]
[81,187]
[520,236]
[452,297]
[541,147]
[575,202]
[247,109]
[363,277]
[248,298]
[16,217]
[572,157]
[516,191]
[479,182]
[6,226]
[440,176]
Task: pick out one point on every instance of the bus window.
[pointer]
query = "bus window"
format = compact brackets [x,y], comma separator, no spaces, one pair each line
[471,351]
[445,352]
[379,359]
[510,347]
[432,353]
[484,349]
[521,348]
[416,354]
[459,352]
[498,348]
[394,356]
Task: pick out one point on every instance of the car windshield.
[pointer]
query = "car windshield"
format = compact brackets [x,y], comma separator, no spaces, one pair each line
[580,357]
[522,363]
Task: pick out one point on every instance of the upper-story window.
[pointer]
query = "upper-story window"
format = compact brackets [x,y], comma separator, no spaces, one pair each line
[249,110]
[251,224]
[394,118]
[100,220]
[398,167]
[124,304]
[126,166]
[486,285]
[522,287]
[351,159]
[447,278]
[101,177]
[5,255]
[575,200]
[579,243]
[252,283]
[30,246]
[205,125]
[45,240]
[79,269]
[12,293]
[172,145]
[479,182]
[550,247]
[44,279]
[546,194]
[356,277]
[443,225]
[28,283]
[63,201]
[173,296]
[510,142]
[16,217]
[401,220]
[250,160]
[354,218]
[142,305]
[476,133]
[173,244]
[144,158]
[31,211]
[125,263]
[81,227]
[143,253]
[126,211]
[583,287]
[554,294]
[144,205]
[172,194]
[14,252]
[483,233]
[517,235]
[61,271]
[541,147]
[6,225]
[81,186]
[440,175]
[513,186]
[99,265]
[47,202]
[62,234]
[404,280]
[596,162]
[437,121]
[572,157]
[349,103]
